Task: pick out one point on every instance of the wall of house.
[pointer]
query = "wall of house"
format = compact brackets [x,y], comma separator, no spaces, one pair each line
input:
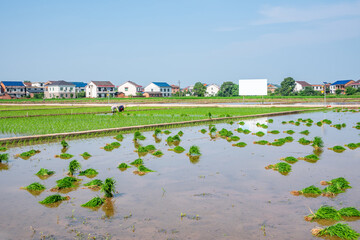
[298,87]
[60,91]
[212,90]
[128,89]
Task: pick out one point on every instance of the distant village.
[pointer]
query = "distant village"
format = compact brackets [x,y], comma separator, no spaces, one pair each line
[102,89]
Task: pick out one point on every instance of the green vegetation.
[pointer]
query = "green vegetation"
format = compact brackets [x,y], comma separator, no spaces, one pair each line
[242,123]
[274,132]
[108,188]
[44,172]
[304,141]
[35,187]
[4,157]
[66,182]
[137,162]
[144,169]
[305,132]
[138,136]
[311,158]
[108,147]
[239,144]
[261,125]
[194,151]
[225,133]
[64,156]
[318,142]
[259,134]
[283,122]
[167,132]
[158,153]
[94,203]
[338,149]
[325,212]
[289,132]
[340,183]
[115,144]
[246,131]
[124,165]
[64,144]
[270,120]
[150,148]
[343,231]
[53,199]
[327,121]
[261,142]
[308,124]
[349,212]
[86,155]
[319,124]
[157,132]
[90,172]
[94,183]
[180,133]
[281,167]
[233,138]
[352,146]
[203,131]
[3,149]
[311,190]
[290,159]
[28,154]
[119,137]
[177,149]
[74,166]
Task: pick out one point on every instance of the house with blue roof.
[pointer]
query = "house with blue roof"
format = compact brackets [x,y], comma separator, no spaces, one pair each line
[79,86]
[341,84]
[160,88]
[15,89]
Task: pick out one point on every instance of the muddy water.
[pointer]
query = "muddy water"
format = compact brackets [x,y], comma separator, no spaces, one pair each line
[227,194]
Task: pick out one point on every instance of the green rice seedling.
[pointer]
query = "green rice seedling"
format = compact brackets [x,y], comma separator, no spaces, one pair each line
[86,155]
[308,124]
[297,123]
[352,146]
[241,123]
[94,203]
[3,149]
[4,157]
[157,132]
[299,120]
[158,153]
[281,167]
[176,138]
[289,139]
[331,191]
[35,187]
[338,149]
[115,144]
[349,212]
[289,132]
[64,156]
[137,162]
[339,182]
[309,120]
[64,144]
[274,132]
[357,127]
[283,122]
[340,230]
[290,159]
[310,191]
[138,136]
[324,212]
[28,154]
[108,148]
[233,138]
[239,130]
[278,143]
[246,131]
[304,141]
[124,165]
[318,142]
[327,121]
[90,172]
[170,139]
[178,149]
[270,120]
[231,122]
[225,133]
[343,125]
[239,144]
[96,183]
[167,132]
[261,142]
[108,188]
[311,158]
[119,137]
[259,134]
[74,166]
[180,133]
[144,169]
[53,199]
[66,182]
[141,150]
[43,172]
[150,148]
[203,131]
[337,126]
[264,126]
[305,132]
[194,151]
[291,122]
[319,124]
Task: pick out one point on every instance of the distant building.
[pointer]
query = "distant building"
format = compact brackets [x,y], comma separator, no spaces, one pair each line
[37,84]
[99,89]
[162,87]
[79,86]
[355,85]
[130,88]
[59,89]
[272,87]
[318,87]
[152,94]
[341,84]
[300,85]
[212,90]
[15,89]
[174,89]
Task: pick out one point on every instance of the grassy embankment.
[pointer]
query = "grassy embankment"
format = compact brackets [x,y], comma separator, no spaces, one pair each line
[73,123]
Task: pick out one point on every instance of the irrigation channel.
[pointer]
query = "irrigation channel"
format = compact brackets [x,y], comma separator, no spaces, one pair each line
[225,194]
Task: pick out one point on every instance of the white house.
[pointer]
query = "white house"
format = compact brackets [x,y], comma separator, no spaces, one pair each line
[162,87]
[59,89]
[79,86]
[300,85]
[100,89]
[130,88]
[212,90]
[13,88]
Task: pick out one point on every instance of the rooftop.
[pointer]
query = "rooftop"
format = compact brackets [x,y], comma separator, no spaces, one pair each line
[303,83]
[60,83]
[103,83]
[341,82]
[136,85]
[13,83]
[161,84]
[79,84]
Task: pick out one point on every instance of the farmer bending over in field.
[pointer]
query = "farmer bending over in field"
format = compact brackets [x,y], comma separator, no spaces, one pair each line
[113,109]
[121,108]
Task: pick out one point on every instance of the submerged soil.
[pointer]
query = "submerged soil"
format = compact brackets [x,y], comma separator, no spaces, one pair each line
[225,194]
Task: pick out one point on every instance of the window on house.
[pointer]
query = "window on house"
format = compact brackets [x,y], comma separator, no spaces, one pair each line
[61,95]
[152,90]
[99,89]
[61,88]
[126,89]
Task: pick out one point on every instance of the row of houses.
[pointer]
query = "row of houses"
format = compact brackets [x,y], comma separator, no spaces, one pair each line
[99,89]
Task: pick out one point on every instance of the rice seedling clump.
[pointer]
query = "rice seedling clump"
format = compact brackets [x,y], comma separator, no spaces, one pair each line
[29,154]
[178,149]
[150,148]
[340,183]
[289,132]
[305,132]
[324,212]
[241,123]
[115,144]
[94,183]
[108,147]
[319,124]
[225,133]
[270,120]
[259,134]
[138,161]
[64,144]
[246,131]
[119,137]
[311,190]
[304,141]
[88,172]
[261,142]
[4,157]
[65,156]
[352,146]
[311,157]
[138,136]
[233,138]
[158,153]
[337,148]
[66,182]
[349,212]
[108,188]
[290,159]
[93,203]
[144,169]
[281,167]
[180,133]
[274,132]
[340,230]
[123,166]
[74,166]
[86,155]
[167,132]
[327,121]
[318,142]
[203,131]
[239,144]
[44,172]
[194,151]
[157,131]
[3,149]
[53,199]
[35,187]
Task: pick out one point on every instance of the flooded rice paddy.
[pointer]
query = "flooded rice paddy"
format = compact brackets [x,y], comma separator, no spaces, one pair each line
[226,194]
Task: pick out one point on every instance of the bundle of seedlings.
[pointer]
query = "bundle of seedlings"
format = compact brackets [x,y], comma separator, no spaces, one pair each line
[65,183]
[233,138]
[203,131]
[194,151]
[44,173]
[225,133]
[241,123]
[94,184]
[319,124]
[352,146]
[279,142]
[305,132]
[289,132]
[157,132]
[308,124]
[74,166]
[180,133]
[297,124]
[177,149]
[54,199]
[123,166]
[108,147]
[259,134]
[150,148]
[291,122]
[3,149]
[310,158]
[324,212]
[338,149]
[326,121]
[274,132]
[96,202]
[4,157]
[35,187]
[64,144]
[290,159]
[340,183]
[262,125]
[138,136]
[270,120]
[281,167]
[283,122]
[108,188]
[338,126]
[317,143]
[142,170]
[158,153]
[246,131]
[349,212]
[340,230]
[64,156]
[310,191]
[119,137]
[239,144]
[167,132]
[304,141]
[90,173]
[261,142]
[86,155]
[28,154]
[115,144]
[137,162]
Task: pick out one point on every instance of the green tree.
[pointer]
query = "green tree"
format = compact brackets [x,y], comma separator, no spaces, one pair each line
[308,91]
[350,91]
[228,89]
[287,86]
[338,91]
[199,89]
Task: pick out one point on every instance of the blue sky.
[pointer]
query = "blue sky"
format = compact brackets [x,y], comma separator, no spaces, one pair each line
[199,40]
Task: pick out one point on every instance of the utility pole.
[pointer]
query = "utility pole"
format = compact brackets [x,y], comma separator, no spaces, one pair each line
[325,93]
[179,89]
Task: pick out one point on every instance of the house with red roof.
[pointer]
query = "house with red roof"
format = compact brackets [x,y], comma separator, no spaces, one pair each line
[300,85]
[100,89]
[130,89]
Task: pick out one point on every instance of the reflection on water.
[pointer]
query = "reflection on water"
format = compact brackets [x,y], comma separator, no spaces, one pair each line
[227,187]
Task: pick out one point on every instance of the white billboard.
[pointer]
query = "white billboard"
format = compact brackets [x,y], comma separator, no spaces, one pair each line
[252,87]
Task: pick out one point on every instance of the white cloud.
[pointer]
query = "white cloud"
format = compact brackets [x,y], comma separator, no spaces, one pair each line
[281,14]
